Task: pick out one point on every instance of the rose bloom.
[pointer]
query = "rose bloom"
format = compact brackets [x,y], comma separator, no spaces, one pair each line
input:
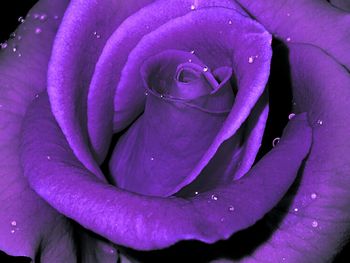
[141,131]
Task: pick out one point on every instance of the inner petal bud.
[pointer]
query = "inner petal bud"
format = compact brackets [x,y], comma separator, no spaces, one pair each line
[186,106]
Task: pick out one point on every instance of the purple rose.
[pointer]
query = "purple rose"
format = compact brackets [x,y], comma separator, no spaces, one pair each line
[132,126]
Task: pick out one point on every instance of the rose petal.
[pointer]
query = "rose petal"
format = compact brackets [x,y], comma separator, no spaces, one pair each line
[79,42]
[317,223]
[286,18]
[144,222]
[112,60]
[252,59]
[343,4]
[180,121]
[28,226]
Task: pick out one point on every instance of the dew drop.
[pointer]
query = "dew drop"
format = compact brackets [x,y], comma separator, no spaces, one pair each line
[222,219]
[56,17]
[38,30]
[48,157]
[13,35]
[231,208]
[230,22]
[19,37]
[36,96]
[291,116]
[13,223]
[314,223]
[97,35]
[193,7]
[296,209]
[283,258]
[288,14]
[14,49]
[19,55]
[36,16]
[146,93]
[3,45]
[275,141]
[288,39]
[12,231]
[43,17]
[319,122]
[196,193]
[251,60]
[214,197]
[190,60]
[21,19]
[192,51]
[152,158]
[313,196]
[205,69]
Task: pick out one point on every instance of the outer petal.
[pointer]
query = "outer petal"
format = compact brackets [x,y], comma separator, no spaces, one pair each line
[28,226]
[144,222]
[82,35]
[286,18]
[317,222]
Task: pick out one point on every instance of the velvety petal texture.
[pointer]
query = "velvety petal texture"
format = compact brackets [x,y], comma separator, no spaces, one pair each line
[144,222]
[28,226]
[317,221]
[286,18]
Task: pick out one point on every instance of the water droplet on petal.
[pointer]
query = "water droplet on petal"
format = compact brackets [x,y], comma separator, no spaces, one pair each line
[313,196]
[3,45]
[14,49]
[296,209]
[192,51]
[13,223]
[275,141]
[97,35]
[146,93]
[36,16]
[196,193]
[43,17]
[56,17]
[190,60]
[19,37]
[288,39]
[19,55]
[291,116]
[231,208]
[12,231]
[205,69]
[48,157]
[230,22]
[222,219]
[193,7]
[214,197]
[38,30]
[36,96]
[251,60]
[21,19]
[314,223]
[152,158]
[319,122]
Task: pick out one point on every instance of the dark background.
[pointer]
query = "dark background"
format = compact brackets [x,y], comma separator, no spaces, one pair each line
[9,15]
